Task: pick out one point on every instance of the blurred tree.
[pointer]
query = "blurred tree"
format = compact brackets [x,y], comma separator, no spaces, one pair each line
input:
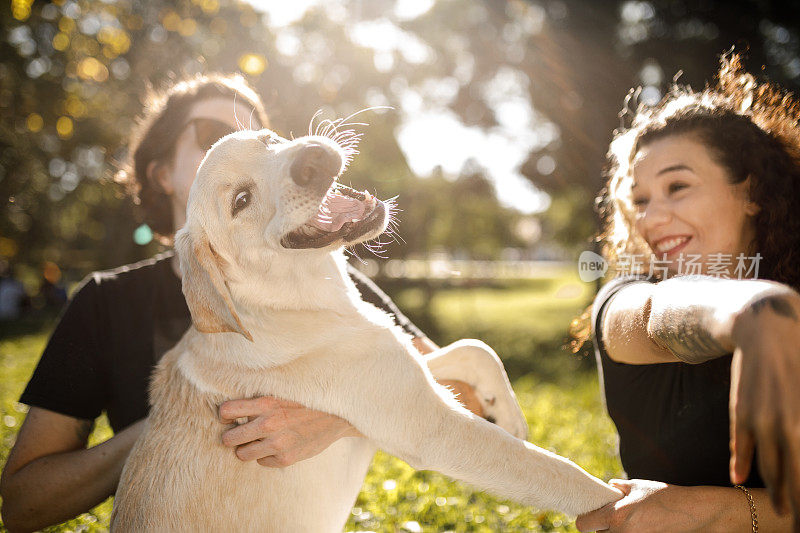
[71,76]
[580,58]
[533,85]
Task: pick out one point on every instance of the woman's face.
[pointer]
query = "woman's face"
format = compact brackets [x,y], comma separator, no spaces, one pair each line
[207,121]
[686,206]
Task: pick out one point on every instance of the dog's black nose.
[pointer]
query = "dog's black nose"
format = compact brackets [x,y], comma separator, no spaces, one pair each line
[316,165]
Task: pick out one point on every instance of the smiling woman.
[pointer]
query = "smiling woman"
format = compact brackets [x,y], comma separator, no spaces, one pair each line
[711,180]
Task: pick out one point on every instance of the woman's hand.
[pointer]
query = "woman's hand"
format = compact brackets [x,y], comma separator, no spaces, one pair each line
[278,432]
[765,397]
[651,506]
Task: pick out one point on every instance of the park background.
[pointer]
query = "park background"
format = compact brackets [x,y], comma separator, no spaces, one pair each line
[501,114]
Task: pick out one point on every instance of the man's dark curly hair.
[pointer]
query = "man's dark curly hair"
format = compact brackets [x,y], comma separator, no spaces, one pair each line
[752,130]
[153,138]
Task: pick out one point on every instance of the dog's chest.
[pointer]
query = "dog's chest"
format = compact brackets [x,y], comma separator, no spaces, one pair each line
[312,495]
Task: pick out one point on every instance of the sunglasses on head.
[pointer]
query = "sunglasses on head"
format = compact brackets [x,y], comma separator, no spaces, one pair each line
[207,131]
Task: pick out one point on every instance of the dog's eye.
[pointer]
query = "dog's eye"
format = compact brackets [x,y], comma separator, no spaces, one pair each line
[240,201]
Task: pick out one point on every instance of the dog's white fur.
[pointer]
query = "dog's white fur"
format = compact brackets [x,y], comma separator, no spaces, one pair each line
[290,323]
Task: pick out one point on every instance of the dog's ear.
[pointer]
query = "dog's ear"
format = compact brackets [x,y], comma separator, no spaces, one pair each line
[204,286]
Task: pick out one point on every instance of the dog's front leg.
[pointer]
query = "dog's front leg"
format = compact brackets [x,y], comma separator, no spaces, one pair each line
[409,415]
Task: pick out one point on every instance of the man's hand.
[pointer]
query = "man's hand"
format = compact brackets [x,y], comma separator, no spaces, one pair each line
[765,398]
[278,432]
[464,394]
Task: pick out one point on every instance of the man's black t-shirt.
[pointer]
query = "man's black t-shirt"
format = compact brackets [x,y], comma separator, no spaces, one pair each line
[117,326]
[672,418]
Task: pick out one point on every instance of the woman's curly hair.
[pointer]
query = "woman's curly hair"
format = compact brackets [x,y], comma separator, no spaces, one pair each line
[153,138]
[752,129]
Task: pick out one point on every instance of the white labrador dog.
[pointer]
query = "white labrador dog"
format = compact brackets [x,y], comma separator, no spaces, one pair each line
[274,313]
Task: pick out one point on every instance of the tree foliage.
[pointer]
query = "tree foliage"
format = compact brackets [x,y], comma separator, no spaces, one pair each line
[545,79]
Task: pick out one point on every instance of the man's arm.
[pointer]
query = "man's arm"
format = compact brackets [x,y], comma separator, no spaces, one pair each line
[51,476]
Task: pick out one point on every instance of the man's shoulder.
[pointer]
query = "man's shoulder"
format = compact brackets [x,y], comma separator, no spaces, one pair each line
[131,276]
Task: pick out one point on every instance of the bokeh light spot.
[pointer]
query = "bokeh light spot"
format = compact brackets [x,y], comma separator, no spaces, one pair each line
[187,27]
[75,107]
[142,235]
[219,26]
[64,127]
[171,21]
[91,68]
[34,122]
[8,247]
[66,24]
[61,41]
[115,39]
[209,7]
[253,64]
[21,9]
[51,272]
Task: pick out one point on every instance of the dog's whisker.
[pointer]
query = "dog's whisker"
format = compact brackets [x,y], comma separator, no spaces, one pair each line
[372,108]
[346,140]
[239,125]
[325,126]
[376,251]
[348,124]
[397,238]
[311,122]
[354,253]
[349,134]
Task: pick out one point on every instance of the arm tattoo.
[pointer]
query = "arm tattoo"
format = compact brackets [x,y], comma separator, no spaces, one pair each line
[777,303]
[83,429]
[684,334]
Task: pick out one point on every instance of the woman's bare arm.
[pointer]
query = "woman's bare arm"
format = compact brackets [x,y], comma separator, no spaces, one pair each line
[51,476]
[689,319]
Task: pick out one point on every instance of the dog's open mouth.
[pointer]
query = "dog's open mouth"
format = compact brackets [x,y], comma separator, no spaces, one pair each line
[344,213]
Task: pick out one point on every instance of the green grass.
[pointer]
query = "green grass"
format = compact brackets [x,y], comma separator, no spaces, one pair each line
[525,323]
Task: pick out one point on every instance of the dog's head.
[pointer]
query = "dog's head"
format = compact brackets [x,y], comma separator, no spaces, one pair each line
[262,205]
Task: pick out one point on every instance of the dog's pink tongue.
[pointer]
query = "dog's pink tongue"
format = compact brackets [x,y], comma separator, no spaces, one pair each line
[341,210]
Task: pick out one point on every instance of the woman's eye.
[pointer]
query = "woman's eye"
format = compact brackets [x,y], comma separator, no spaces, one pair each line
[240,201]
[639,203]
[675,187]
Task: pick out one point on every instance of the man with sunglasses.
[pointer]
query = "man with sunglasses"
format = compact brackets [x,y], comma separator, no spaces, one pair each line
[120,322]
